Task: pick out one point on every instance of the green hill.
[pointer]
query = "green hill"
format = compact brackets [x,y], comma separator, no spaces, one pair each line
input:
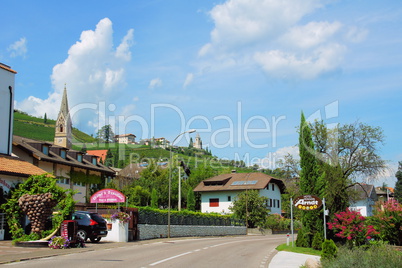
[36,128]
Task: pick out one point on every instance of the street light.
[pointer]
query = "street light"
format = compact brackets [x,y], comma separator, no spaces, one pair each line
[170,175]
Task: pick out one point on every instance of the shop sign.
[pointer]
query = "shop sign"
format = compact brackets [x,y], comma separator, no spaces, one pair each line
[307,202]
[108,196]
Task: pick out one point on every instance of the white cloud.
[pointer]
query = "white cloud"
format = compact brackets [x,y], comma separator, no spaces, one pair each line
[311,34]
[18,48]
[273,159]
[276,36]
[123,50]
[189,80]
[154,83]
[290,64]
[94,72]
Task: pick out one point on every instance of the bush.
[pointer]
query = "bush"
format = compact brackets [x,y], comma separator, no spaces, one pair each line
[318,239]
[383,256]
[329,249]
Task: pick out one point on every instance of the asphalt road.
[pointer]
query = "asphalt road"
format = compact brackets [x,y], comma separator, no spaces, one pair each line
[240,251]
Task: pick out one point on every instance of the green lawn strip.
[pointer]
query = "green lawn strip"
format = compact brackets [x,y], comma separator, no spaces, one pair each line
[301,250]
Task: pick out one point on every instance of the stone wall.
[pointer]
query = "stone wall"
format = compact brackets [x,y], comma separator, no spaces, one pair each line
[148,231]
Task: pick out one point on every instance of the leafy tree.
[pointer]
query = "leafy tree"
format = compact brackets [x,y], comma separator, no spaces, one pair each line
[105,134]
[251,207]
[352,147]
[398,184]
[138,196]
[109,158]
[347,152]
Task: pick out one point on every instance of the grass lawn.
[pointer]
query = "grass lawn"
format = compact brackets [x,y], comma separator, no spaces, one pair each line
[295,249]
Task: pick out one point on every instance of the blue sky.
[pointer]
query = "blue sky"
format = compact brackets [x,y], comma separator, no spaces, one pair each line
[238,71]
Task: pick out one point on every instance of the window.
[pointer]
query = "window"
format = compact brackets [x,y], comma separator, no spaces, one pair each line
[63,154]
[273,187]
[94,160]
[45,149]
[270,203]
[214,202]
[229,198]
[279,203]
[62,180]
[79,157]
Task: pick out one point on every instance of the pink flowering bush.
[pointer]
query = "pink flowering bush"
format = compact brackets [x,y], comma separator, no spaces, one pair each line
[352,227]
[388,219]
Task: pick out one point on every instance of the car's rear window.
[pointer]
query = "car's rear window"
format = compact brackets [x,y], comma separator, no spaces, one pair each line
[97,217]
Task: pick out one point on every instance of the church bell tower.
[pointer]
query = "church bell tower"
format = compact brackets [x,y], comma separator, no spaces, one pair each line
[63,132]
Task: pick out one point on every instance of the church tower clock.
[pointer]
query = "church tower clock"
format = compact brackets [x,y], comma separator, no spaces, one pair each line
[63,132]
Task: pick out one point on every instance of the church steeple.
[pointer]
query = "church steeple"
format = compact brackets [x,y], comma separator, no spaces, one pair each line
[63,131]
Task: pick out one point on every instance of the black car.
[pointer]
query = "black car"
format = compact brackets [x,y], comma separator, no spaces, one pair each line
[90,225]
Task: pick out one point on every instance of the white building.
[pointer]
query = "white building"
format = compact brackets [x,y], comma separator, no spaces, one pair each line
[364,200]
[219,192]
[125,138]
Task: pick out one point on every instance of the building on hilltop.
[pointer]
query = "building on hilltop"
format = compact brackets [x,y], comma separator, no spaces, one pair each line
[219,192]
[125,138]
[198,142]
[63,133]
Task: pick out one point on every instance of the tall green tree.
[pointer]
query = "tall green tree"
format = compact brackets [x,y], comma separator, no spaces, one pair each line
[154,198]
[398,184]
[311,183]
[251,207]
[105,134]
[190,200]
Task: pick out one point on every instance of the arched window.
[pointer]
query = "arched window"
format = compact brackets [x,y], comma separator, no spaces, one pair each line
[61,128]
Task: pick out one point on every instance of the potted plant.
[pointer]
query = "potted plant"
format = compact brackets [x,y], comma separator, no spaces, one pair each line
[121,216]
[59,242]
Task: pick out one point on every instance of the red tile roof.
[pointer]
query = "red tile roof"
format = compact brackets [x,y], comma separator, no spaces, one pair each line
[99,153]
[14,166]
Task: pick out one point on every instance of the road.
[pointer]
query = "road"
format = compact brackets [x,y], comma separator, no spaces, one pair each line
[239,251]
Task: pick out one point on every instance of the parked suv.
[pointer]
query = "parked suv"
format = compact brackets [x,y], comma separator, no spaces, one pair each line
[90,225]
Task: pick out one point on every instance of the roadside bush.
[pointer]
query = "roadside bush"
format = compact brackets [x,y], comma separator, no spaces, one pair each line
[374,257]
[388,219]
[329,249]
[351,226]
[318,239]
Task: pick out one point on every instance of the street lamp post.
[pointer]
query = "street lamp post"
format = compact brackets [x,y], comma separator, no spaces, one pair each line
[170,175]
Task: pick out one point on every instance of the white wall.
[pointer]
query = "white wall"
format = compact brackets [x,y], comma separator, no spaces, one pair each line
[224,204]
[6,110]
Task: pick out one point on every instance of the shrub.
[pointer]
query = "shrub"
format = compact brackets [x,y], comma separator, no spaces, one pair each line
[318,239]
[329,249]
[351,226]
[376,256]
[388,219]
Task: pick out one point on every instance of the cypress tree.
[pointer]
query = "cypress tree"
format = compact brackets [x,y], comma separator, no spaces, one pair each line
[311,182]
[154,198]
[190,200]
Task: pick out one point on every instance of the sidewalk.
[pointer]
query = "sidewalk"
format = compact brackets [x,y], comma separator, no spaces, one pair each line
[285,259]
